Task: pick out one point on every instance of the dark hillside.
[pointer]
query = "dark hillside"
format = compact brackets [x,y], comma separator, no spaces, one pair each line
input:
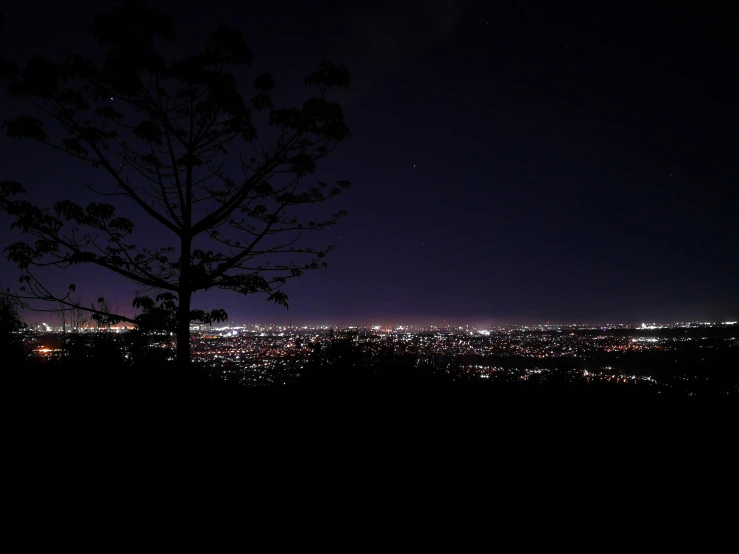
[132,451]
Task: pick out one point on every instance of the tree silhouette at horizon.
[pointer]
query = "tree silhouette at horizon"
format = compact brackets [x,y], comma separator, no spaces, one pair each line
[162,131]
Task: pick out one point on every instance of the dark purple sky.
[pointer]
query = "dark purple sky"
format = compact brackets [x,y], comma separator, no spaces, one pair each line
[509,163]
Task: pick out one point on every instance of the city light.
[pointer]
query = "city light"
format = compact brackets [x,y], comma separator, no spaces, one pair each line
[262,354]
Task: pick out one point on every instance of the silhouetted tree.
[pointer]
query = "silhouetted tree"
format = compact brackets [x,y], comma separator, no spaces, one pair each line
[159,130]
[102,314]
[78,316]
[62,313]
[10,320]
[10,324]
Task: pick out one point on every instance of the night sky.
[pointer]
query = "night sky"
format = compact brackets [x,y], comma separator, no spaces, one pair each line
[509,163]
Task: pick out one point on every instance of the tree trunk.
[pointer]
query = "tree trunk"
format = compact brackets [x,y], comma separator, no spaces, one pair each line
[183,309]
[185,289]
[183,327]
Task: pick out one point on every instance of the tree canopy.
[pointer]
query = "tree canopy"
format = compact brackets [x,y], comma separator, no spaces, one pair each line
[162,132]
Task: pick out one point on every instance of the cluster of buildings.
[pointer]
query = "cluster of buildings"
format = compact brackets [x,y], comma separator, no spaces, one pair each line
[275,353]
[260,354]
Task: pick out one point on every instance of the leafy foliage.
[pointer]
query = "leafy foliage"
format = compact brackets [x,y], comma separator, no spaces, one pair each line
[160,132]
[10,324]
[10,321]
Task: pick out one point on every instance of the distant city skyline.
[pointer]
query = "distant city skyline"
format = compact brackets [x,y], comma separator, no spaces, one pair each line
[700,356]
[645,325]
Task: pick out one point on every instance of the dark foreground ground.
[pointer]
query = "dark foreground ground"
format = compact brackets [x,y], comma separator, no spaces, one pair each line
[103,460]
[159,410]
